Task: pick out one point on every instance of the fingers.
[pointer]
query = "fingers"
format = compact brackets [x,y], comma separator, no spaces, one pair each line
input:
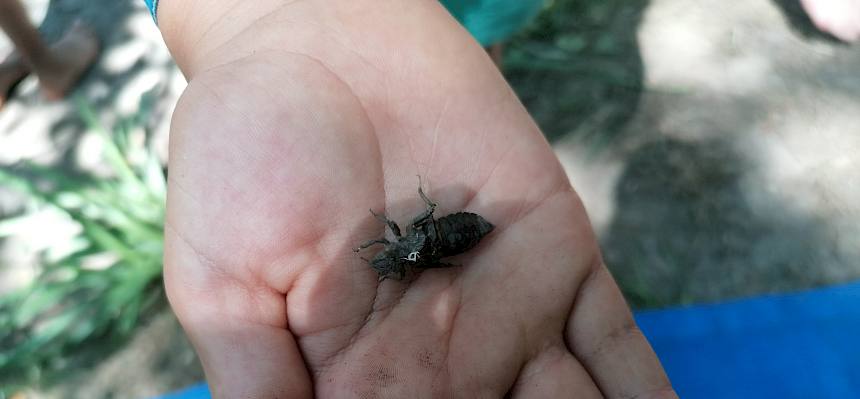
[601,333]
[554,373]
[245,350]
[254,361]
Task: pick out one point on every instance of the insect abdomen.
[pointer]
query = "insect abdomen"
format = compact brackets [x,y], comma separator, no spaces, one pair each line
[460,232]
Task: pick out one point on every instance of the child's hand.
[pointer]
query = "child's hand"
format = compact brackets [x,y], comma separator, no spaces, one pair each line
[300,117]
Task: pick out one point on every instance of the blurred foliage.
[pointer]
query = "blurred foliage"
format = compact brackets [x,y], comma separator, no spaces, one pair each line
[578,69]
[98,290]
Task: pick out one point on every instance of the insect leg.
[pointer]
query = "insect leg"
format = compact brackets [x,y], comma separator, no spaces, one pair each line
[428,213]
[382,218]
[430,204]
[372,242]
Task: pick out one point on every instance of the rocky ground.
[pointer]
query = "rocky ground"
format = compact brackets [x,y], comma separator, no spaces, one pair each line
[731,167]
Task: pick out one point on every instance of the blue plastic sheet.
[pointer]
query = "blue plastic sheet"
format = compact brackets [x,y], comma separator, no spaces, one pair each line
[802,345]
[199,391]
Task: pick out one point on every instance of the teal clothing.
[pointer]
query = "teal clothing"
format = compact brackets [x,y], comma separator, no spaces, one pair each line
[489,21]
[152,5]
[493,21]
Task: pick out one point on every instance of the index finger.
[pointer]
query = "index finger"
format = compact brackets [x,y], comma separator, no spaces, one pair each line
[602,334]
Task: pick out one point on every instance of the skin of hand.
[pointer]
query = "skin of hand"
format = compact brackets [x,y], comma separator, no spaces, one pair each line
[841,18]
[301,115]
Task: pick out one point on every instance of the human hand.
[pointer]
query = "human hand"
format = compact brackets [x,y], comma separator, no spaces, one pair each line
[300,116]
[840,18]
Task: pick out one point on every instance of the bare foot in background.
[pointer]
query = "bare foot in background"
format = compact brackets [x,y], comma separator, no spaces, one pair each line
[840,18]
[12,71]
[71,57]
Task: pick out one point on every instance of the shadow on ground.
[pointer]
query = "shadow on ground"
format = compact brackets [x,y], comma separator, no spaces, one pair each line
[685,230]
[691,220]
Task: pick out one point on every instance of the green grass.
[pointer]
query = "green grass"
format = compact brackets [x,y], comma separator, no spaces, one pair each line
[70,305]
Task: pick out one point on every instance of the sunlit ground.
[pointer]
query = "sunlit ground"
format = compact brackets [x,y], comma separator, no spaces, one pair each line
[738,173]
[714,144]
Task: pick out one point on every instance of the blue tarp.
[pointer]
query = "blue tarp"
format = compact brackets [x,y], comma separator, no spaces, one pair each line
[802,345]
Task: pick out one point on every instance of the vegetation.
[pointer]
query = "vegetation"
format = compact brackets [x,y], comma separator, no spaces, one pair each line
[99,289]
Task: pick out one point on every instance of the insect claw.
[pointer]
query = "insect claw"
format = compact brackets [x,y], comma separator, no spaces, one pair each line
[430,203]
[384,219]
[379,217]
[424,196]
[371,243]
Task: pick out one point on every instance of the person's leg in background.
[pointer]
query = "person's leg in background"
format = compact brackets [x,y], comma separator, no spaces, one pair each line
[58,66]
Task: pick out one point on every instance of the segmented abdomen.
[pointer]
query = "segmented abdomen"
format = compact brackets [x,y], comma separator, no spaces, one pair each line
[460,232]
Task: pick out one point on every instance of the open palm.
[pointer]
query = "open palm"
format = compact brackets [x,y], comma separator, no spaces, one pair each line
[282,142]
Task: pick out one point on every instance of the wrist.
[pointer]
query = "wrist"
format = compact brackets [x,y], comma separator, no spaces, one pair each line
[202,34]
[195,30]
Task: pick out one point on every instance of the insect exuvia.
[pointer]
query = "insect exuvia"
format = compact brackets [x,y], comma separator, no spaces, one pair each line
[427,241]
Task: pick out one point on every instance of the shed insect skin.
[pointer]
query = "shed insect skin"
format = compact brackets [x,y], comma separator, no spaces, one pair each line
[427,241]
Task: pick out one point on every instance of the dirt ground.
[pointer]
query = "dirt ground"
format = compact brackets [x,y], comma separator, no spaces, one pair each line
[715,145]
[738,172]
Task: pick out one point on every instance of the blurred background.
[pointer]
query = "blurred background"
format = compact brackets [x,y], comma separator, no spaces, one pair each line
[715,145]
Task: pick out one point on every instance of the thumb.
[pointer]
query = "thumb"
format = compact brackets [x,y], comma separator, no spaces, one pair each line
[243,354]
